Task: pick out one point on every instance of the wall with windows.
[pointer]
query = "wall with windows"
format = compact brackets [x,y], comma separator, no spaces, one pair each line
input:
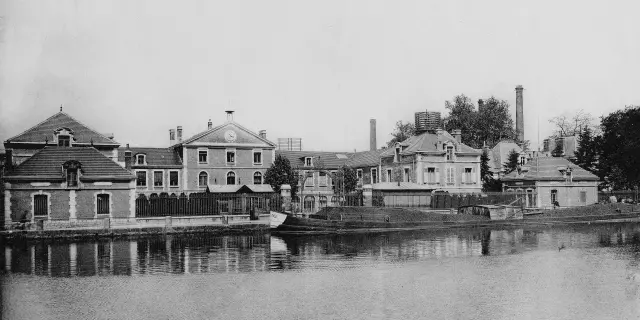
[159,180]
[572,194]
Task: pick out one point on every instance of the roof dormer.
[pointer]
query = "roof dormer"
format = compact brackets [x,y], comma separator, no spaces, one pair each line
[63,137]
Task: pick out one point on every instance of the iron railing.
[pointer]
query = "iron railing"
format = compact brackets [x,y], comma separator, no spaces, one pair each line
[448,201]
[200,204]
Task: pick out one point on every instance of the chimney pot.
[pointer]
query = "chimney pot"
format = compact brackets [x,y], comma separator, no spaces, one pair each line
[172,136]
[263,134]
[229,115]
[179,131]
[209,124]
[457,133]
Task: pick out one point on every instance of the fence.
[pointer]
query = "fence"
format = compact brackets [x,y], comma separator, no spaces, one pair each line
[199,204]
[629,196]
[313,202]
[447,201]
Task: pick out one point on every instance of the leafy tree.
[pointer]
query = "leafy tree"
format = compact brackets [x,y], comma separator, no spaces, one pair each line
[485,170]
[558,151]
[462,115]
[402,131]
[281,173]
[513,161]
[619,159]
[588,150]
[345,180]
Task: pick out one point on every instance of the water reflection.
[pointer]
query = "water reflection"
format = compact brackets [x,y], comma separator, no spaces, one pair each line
[262,252]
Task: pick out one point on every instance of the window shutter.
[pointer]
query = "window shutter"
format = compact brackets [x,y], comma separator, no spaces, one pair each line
[464,176]
[438,175]
[473,175]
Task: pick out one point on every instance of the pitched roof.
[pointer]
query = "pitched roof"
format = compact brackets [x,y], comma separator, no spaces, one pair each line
[549,169]
[216,135]
[214,188]
[391,186]
[44,131]
[428,142]
[330,160]
[365,158]
[153,156]
[500,154]
[48,162]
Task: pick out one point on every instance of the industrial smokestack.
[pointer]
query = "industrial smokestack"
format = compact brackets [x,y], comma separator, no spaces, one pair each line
[519,114]
[372,134]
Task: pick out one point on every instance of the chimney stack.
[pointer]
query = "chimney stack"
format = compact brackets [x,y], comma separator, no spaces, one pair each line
[263,134]
[8,160]
[209,125]
[372,135]
[128,157]
[229,115]
[172,137]
[457,133]
[179,137]
[519,115]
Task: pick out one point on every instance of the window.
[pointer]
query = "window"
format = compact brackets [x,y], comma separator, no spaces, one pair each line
[554,196]
[103,203]
[523,160]
[451,175]
[140,159]
[583,197]
[397,155]
[141,180]
[374,175]
[322,179]
[64,141]
[449,153]
[308,182]
[406,175]
[468,175]
[72,177]
[40,205]
[231,178]
[431,175]
[308,162]
[202,156]
[388,175]
[257,157]
[231,156]
[173,178]
[359,174]
[257,178]
[203,179]
[157,179]
[333,180]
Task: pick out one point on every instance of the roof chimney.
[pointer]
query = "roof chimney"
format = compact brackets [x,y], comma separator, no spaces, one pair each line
[457,133]
[229,115]
[263,134]
[172,137]
[372,134]
[128,157]
[179,137]
[209,124]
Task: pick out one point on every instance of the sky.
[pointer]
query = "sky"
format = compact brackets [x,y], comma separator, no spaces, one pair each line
[317,70]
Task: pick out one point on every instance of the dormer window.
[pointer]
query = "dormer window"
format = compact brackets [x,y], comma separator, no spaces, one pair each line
[140,159]
[523,160]
[64,141]
[63,137]
[308,162]
[449,153]
[71,169]
[397,158]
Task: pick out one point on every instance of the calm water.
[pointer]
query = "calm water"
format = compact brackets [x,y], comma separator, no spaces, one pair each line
[462,274]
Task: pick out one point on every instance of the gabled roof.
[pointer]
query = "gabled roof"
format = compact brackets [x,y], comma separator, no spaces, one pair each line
[428,142]
[154,156]
[239,188]
[365,158]
[47,163]
[44,131]
[500,154]
[215,135]
[550,169]
[330,160]
[403,186]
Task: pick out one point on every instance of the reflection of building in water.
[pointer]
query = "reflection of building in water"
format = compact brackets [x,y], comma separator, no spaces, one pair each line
[153,255]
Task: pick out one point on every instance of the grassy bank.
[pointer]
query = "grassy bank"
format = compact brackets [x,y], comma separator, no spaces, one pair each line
[592,210]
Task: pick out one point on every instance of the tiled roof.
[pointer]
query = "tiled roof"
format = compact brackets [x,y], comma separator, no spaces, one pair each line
[216,135]
[48,163]
[427,142]
[214,188]
[44,131]
[331,160]
[548,169]
[365,158]
[403,186]
[153,156]
[500,154]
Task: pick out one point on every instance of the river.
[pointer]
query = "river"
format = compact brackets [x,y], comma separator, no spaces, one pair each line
[571,272]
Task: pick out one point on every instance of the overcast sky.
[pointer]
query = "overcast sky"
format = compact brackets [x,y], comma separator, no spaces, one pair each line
[318,70]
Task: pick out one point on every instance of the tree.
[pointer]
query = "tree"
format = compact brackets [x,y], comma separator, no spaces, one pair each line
[513,161]
[570,125]
[281,173]
[558,151]
[588,150]
[462,115]
[619,159]
[402,131]
[345,180]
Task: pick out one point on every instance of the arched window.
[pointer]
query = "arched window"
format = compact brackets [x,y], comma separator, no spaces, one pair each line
[257,177]
[203,179]
[231,178]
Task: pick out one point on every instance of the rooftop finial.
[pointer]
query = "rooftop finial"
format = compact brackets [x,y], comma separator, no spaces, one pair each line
[61,107]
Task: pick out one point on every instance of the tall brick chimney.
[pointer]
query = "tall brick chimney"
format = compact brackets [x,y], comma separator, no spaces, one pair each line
[179,137]
[372,134]
[519,114]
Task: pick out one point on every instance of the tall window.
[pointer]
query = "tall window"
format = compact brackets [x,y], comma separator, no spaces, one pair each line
[140,159]
[103,203]
[173,178]
[231,178]
[449,153]
[554,196]
[257,157]
[374,175]
[388,175]
[308,182]
[583,197]
[523,160]
[322,179]
[431,175]
[141,178]
[202,156]
[203,179]
[64,141]
[308,162]
[40,205]
[231,157]
[157,179]
[468,175]
[257,178]
[359,174]
[451,175]
[333,180]
[406,175]
[72,177]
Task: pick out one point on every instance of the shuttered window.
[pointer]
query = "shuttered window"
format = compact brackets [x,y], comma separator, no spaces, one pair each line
[40,205]
[103,204]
